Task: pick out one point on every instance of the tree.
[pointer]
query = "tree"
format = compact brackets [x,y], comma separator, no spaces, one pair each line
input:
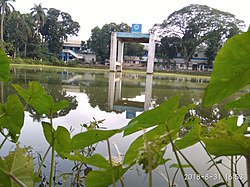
[194,25]
[99,41]
[19,29]
[38,13]
[56,29]
[213,45]
[28,30]
[169,46]
[134,49]
[5,6]
[15,32]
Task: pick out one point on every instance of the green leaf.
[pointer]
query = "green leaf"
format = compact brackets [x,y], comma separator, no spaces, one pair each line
[12,116]
[61,137]
[231,70]
[18,166]
[192,121]
[227,139]
[47,131]
[153,117]
[95,160]
[158,135]
[240,104]
[90,137]
[59,106]
[37,97]
[63,144]
[103,177]
[4,67]
[228,145]
[191,138]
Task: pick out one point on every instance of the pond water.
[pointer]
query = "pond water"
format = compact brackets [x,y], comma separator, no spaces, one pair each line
[117,98]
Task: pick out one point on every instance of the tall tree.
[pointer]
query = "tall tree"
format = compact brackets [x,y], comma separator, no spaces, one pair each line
[28,28]
[100,39]
[5,6]
[58,26]
[15,31]
[39,15]
[213,45]
[194,24]
[169,46]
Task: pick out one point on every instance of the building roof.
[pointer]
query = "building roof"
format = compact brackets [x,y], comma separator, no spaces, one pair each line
[72,43]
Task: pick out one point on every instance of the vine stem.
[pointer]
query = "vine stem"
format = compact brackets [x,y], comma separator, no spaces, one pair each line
[122,182]
[177,157]
[3,142]
[232,171]
[111,165]
[2,92]
[248,169]
[78,174]
[211,158]
[191,165]
[52,153]
[41,164]
[150,179]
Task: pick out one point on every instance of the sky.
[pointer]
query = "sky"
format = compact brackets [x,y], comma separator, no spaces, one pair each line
[92,13]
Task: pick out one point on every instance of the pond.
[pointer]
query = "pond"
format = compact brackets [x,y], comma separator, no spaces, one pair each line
[116,98]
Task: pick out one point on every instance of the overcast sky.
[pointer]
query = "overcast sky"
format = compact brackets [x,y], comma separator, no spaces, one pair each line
[92,13]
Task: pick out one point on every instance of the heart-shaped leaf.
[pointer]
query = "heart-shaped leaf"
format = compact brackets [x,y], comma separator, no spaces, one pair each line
[231,70]
[4,67]
[12,116]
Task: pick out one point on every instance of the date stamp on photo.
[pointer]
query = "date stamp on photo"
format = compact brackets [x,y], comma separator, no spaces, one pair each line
[194,176]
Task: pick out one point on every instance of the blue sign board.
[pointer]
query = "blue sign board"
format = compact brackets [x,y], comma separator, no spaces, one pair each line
[130,114]
[136,27]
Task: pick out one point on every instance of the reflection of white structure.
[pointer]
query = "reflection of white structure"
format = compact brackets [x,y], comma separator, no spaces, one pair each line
[117,45]
[116,102]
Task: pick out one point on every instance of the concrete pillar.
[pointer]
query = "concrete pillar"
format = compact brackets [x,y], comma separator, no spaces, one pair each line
[120,55]
[111,91]
[118,87]
[113,50]
[148,91]
[151,54]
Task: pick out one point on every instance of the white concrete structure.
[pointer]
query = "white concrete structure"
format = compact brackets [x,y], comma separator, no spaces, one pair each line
[115,100]
[117,45]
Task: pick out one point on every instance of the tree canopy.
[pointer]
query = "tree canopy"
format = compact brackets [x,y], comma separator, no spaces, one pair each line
[100,39]
[56,29]
[38,34]
[195,25]
[5,7]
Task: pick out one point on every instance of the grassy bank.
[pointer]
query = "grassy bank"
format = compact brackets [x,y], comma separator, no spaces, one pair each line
[103,68]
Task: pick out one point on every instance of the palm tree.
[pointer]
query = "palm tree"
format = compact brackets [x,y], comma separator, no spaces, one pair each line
[38,13]
[5,6]
[29,30]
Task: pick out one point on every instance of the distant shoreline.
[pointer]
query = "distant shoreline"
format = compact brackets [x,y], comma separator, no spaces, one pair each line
[101,69]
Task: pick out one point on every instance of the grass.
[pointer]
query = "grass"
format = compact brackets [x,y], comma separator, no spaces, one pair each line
[194,74]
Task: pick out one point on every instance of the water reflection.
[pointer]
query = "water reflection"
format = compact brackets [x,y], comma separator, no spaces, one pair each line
[119,104]
[98,95]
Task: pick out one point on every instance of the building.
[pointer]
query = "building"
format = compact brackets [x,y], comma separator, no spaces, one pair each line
[197,62]
[72,50]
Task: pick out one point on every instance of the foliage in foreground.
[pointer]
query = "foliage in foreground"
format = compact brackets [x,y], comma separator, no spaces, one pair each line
[159,129]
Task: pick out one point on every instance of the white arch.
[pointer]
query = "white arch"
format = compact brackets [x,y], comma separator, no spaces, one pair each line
[117,45]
